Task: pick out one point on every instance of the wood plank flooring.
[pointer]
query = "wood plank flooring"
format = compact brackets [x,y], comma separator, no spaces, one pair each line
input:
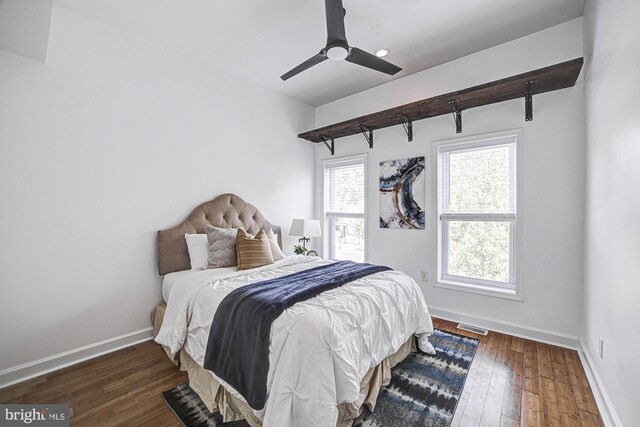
[512,382]
[121,388]
[517,382]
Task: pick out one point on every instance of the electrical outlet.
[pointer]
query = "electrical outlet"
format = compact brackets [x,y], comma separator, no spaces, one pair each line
[424,276]
[601,347]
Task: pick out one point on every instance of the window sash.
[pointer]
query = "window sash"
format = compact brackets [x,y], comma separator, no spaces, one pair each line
[330,170]
[446,217]
[330,214]
[479,217]
[346,214]
[331,220]
[478,146]
[444,267]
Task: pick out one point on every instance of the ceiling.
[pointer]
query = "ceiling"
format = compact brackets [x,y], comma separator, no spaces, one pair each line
[24,27]
[261,40]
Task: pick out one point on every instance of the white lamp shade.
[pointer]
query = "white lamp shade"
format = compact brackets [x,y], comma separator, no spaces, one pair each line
[305,228]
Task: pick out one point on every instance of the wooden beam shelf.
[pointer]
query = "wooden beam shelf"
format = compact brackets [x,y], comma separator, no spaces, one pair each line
[554,77]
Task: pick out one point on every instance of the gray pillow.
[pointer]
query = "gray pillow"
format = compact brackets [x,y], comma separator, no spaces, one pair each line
[222,246]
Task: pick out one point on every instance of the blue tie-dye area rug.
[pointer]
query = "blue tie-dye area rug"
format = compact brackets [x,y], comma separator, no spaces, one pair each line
[424,390]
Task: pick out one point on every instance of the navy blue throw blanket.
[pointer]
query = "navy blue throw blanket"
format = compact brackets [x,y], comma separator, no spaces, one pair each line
[238,346]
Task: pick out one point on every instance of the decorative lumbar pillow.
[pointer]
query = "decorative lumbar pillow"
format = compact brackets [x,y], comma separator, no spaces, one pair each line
[222,246]
[275,248]
[198,248]
[253,253]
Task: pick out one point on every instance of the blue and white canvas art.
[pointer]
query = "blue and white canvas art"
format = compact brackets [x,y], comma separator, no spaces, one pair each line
[402,193]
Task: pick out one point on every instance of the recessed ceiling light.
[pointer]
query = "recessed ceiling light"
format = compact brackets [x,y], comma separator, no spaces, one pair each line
[381,53]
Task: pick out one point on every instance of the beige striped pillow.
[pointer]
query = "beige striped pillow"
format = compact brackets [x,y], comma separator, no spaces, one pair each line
[251,252]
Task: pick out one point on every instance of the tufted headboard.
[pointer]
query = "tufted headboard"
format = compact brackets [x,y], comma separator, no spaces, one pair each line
[225,211]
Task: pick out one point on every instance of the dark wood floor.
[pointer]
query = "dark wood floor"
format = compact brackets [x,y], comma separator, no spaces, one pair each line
[121,388]
[517,382]
[512,382]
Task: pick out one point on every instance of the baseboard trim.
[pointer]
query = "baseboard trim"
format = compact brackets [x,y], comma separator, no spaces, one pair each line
[608,413]
[531,333]
[27,371]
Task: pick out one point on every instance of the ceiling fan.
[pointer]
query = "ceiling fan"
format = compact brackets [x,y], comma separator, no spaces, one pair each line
[338,49]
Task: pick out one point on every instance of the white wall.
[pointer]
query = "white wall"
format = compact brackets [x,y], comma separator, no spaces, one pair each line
[612,249]
[106,143]
[553,150]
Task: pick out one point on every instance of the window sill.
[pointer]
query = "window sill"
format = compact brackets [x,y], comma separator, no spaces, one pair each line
[509,294]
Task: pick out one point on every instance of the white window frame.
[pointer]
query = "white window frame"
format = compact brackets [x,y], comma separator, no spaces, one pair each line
[330,217]
[513,288]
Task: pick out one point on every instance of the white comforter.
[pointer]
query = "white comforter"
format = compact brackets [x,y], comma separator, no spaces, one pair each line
[321,348]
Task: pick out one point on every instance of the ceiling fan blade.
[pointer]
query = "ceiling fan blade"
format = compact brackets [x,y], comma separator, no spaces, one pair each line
[314,60]
[335,21]
[360,57]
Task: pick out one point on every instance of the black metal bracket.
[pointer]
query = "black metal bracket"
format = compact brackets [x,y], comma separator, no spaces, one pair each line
[408,126]
[368,134]
[330,146]
[457,115]
[528,102]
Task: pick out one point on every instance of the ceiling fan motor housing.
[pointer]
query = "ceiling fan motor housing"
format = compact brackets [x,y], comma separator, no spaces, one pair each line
[337,50]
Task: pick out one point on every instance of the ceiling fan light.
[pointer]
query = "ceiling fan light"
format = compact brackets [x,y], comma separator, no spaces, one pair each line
[337,53]
[381,53]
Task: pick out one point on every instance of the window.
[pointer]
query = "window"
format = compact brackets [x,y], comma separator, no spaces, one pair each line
[344,188]
[477,214]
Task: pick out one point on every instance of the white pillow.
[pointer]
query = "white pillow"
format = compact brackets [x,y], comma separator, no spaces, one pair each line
[198,247]
[275,248]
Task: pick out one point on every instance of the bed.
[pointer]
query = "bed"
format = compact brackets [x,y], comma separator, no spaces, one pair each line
[328,356]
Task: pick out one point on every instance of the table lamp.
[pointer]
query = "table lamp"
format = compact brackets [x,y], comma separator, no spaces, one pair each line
[305,228]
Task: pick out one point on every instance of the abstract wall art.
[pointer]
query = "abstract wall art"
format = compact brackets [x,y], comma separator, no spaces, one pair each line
[402,194]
